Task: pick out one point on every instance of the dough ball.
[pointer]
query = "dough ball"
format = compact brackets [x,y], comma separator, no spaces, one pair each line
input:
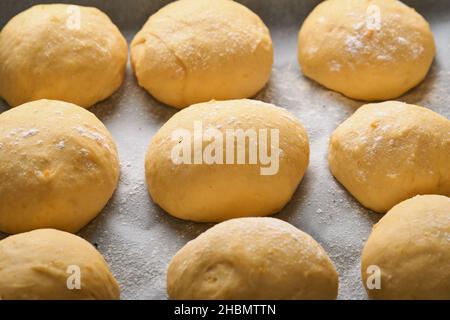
[389,152]
[222,169]
[44,264]
[58,167]
[61,52]
[252,259]
[366,49]
[411,248]
[194,51]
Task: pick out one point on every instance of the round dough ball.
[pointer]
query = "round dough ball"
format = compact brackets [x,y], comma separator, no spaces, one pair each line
[411,248]
[366,49]
[43,265]
[58,167]
[389,152]
[61,52]
[224,187]
[252,259]
[194,51]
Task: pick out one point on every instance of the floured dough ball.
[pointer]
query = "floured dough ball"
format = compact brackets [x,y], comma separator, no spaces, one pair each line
[366,49]
[58,167]
[48,264]
[409,249]
[252,259]
[61,52]
[194,51]
[220,160]
[389,152]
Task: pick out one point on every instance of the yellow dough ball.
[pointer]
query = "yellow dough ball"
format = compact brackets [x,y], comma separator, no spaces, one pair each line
[366,49]
[220,160]
[409,249]
[389,152]
[194,51]
[252,259]
[61,52]
[48,264]
[58,167]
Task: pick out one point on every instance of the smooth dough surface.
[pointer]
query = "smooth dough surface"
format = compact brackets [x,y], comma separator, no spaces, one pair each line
[37,265]
[369,50]
[252,258]
[194,51]
[46,54]
[217,192]
[389,152]
[411,246]
[58,167]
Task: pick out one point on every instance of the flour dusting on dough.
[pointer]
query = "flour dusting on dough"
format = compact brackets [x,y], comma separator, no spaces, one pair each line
[30,133]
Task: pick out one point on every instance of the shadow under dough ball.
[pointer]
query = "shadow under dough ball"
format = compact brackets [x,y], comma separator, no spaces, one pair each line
[195,51]
[226,159]
[58,167]
[252,259]
[388,152]
[61,52]
[47,264]
[370,50]
[409,250]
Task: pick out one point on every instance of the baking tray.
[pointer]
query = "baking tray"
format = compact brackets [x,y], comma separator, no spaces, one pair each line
[138,239]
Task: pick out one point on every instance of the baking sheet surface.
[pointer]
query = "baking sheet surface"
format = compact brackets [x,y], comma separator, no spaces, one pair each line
[138,239]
